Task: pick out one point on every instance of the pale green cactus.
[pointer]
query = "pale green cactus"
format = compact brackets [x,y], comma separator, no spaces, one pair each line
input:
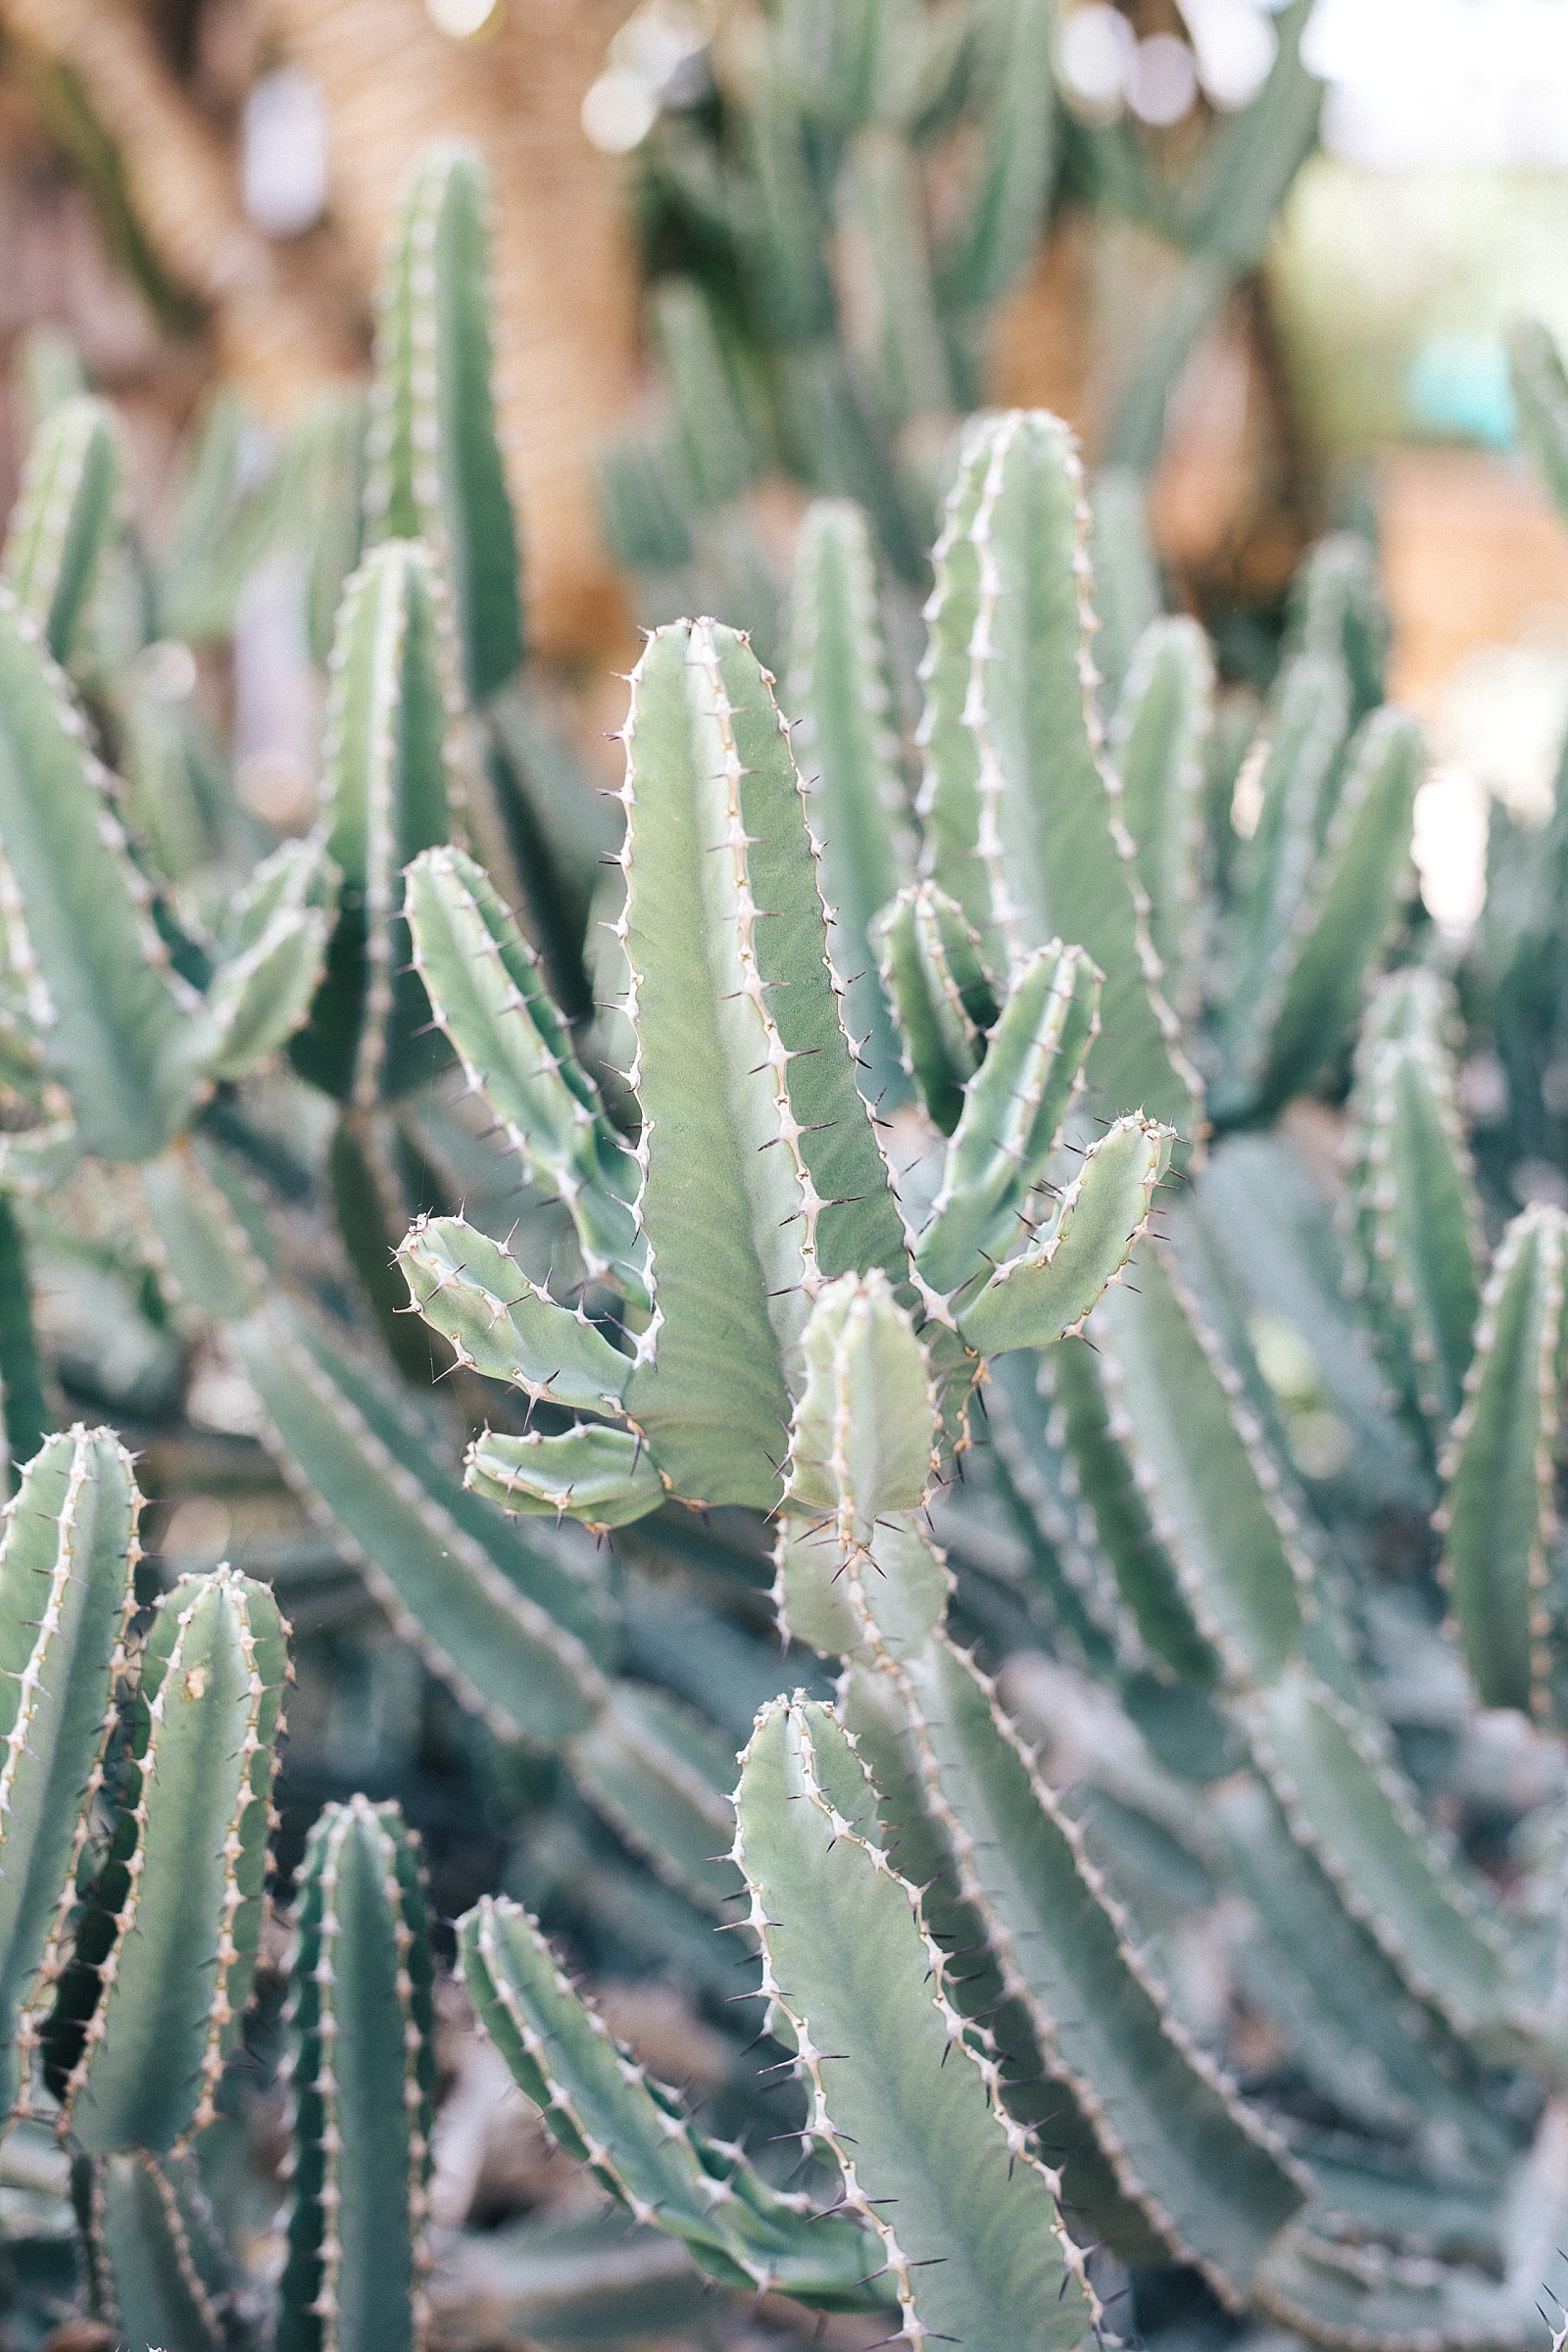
[159,2270]
[813,310]
[1247,1985]
[171,1932]
[363,2081]
[57,540]
[65,1596]
[747,1092]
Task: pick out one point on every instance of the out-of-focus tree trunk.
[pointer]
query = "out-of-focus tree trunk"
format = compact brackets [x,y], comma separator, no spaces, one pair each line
[565,275]
[277,327]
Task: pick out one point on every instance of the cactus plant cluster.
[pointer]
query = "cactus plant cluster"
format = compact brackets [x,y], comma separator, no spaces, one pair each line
[898,1232]
[829,235]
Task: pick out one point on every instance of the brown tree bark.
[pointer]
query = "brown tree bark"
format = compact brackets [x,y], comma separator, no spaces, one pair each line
[277,327]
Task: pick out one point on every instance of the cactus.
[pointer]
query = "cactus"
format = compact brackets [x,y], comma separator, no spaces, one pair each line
[812,308]
[941,1234]
[57,541]
[364,2080]
[603,2107]
[178,1910]
[159,2269]
[744,1080]
[65,1594]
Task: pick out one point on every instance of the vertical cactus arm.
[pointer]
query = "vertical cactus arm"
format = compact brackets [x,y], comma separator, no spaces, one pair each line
[948,802]
[1015,1108]
[1401,2066]
[435,466]
[1349,910]
[207,1242]
[118,1037]
[1042,806]
[1417,1219]
[862,1440]
[68,1562]
[891,315]
[24,1400]
[1128,596]
[499,1624]
[1541,396]
[943,1000]
[1498,1519]
[330,443]
[1297,753]
[487,991]
[900,2094]
[1016,159]
[603,2108]
[720,449]
[364,2074]
[1211,2182]
[1196,1456]
[499,1323]
[1163,2118]
[1159,739]
[761,1176]
[65,518]
[1051,1288]
[1352,1809]
[262,991]
[1336,609]
[385,790]
[1118,1515]
[845,741]
[1092,1623]
[151,2287]
[1355,2298]
[827,1597]
[173,1990]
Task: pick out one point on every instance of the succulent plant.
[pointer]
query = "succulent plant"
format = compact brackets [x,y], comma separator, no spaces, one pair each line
[1144,1869]
[829,234]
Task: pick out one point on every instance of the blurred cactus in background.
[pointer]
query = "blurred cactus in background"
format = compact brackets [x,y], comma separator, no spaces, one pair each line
[830,223]
[900,1347]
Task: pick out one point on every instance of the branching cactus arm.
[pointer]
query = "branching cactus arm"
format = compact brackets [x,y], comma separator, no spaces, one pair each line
[1158,743]
[487,991]
[1015,1108]
[943,998]
[762,1173]
[118,1033]
[160,2273]
[935,1740]
[903,2095]
[1024,824]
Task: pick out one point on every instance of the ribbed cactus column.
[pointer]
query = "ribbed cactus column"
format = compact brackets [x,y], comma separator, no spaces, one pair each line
[167,1951]
[364,2080]
[65,518]
[67,1566]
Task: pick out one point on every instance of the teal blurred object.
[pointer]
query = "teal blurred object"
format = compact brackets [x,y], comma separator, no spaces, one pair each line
[1459,387]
